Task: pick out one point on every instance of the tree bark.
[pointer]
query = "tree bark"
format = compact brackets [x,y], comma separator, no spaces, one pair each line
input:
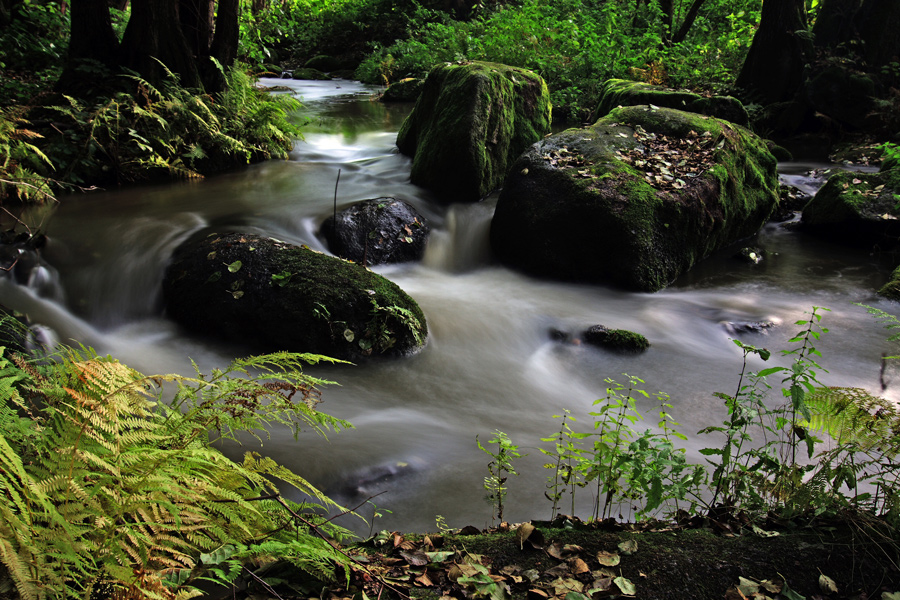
[197,25]
[154,36]
[834,24]
[689,19]
[878,23]
[91,39]
[224,46]
[773,69]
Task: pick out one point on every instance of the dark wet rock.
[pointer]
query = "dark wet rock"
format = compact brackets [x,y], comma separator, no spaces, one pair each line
[842,94]
[310,74]
[791,201]
[620,92]
[747,327]
[323,63]
[558,335]
[471,121]
[750,255]
[891,289]
[857,208]
[377,231]
[604,204]
[405,90]
[20,255]
[373,480]
[620,340]
[780,153]
[267,293]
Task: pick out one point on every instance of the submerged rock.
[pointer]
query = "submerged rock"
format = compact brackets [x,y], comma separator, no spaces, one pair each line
[469,124]
[310,74]
[620,92]
[377,231]
[268,293]
[858,209]
[620,340]
[635,199]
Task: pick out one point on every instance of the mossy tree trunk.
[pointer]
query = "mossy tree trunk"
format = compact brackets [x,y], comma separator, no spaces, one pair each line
[773,69]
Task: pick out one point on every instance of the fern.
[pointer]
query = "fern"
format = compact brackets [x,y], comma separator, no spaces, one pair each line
[123,491]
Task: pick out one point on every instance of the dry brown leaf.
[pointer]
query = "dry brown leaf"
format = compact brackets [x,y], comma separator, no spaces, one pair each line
[523,532]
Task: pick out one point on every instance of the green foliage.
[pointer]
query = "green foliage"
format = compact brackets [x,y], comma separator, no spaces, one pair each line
[170,132]
[499,469]
[566,454]
[575,45]
[34,46]
[18,160]
[119,491]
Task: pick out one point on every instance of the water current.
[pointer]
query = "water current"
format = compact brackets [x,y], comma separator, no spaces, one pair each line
[490,362]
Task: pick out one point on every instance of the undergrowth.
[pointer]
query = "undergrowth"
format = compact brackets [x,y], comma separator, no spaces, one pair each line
[168,131]
[806,451]
[107,489]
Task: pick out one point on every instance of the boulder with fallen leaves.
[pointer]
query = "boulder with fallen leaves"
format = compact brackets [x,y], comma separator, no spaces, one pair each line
[635,199]
[620,92]
[856,208]
[272,295]
[471,121]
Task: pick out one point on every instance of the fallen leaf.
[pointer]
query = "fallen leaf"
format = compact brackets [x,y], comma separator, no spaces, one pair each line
[563,586]
[579,566]
[608,559]
[416,559]
[827,584]
[625,586]
[628,547]
[523,532]
[424,580]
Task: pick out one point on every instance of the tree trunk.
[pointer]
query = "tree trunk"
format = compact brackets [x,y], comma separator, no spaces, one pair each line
[689,19]
[5,13]
[773,69]
[878,23]
[197,25]
[224,44]
[154,36]
[834,24]
[668,10]
[91,38]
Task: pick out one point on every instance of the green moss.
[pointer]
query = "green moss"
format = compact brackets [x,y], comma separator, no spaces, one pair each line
[891,290]
[619,92]
[290,296]
[470,123]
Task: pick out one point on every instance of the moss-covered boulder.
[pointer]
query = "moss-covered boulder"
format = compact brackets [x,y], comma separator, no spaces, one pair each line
[310,75]
[620,92]
[267,293]
[842,94]
[405,90]
[377,231]
[469,124]
[617,340]
[635,199]
[323,62]
[859,209]
[891,290]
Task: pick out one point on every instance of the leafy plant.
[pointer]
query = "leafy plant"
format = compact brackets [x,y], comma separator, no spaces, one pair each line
[120,491]
[499,469]
[19,158]
[565,455]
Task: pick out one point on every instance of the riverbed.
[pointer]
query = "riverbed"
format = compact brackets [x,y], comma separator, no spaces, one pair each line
[490,362]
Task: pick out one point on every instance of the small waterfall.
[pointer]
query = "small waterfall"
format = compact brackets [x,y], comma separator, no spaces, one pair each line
[464,242]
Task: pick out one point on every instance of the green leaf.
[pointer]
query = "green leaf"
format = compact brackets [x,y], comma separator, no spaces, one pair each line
[235,266]
[625,586]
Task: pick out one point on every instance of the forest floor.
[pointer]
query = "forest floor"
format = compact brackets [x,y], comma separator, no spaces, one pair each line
[837,559]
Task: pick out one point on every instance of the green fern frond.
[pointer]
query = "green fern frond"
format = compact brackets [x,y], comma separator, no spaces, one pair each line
[853,415]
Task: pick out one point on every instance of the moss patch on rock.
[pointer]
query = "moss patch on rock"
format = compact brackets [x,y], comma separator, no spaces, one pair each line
[268,293]
[405,90]
[471,121]
[620,92]
[582,205]
[618,340]
[859,209]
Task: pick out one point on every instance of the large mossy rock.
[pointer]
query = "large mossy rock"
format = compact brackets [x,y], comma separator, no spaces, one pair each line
[620,92]
[377,231]
[858,209]
[635,199]
[471,121]
[278,296]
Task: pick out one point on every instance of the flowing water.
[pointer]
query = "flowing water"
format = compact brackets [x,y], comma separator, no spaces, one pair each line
[490,362]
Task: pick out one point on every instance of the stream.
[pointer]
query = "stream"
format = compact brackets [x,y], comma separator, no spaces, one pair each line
[489,363]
